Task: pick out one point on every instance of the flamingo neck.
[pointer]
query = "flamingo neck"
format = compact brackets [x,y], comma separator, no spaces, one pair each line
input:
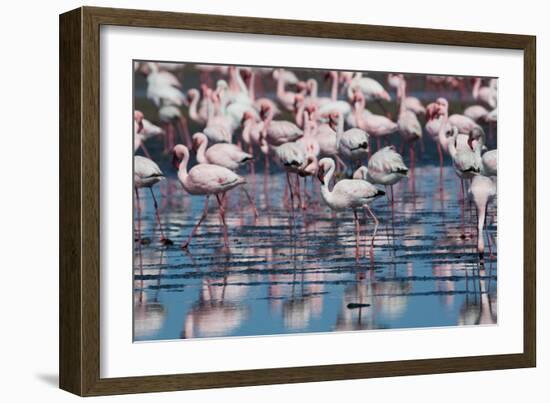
[334,89]
[280,85]
[443,140]
[247,128]
[325,192]
[475,89]
[299,118]
[182,170]
[314,88]
[201,151]
[251,86]
[193,113]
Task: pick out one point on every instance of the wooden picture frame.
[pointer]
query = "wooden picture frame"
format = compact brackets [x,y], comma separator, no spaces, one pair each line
[80,199]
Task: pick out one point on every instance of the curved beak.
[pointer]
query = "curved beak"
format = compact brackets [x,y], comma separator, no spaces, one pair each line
[321,174]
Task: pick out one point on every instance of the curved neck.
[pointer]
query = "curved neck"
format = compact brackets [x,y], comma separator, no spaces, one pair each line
[475,89]
[325,192]
[201,151]
[280,84]
[182,171]
[314,88]
[247,127]
[299,118]
[334,89]
[251,86]
[193,113]
[441,134]
[359,111]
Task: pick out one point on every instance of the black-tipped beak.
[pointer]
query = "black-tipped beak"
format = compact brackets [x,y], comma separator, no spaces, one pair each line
[176,161]
[321,175]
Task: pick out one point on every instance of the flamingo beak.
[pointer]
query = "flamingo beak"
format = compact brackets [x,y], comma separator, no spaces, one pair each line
[321,175]
[176,161]
[140,126]
[470,143]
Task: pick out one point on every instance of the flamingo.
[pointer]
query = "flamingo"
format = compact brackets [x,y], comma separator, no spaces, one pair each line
[205,179]
[278,132]
[349,194]
[226,155]
[482,190]
[385,167]
[477,113]
[376,125]
[489,162]
[487,95]
[411,103]
[408,125]
[196,113]
[146,174]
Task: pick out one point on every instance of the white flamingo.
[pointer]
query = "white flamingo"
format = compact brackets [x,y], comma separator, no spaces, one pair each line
[349,194]
[205,179]
[482,190]
[146,174]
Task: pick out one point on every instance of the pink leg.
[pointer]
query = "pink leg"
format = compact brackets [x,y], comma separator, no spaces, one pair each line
[163,239]
[252,203]
[440,153]
[376,222]
[357,235]
[138,208]
[298,191]
[185,245]
[222,217]
[145,151]
[289,183]
[186,138]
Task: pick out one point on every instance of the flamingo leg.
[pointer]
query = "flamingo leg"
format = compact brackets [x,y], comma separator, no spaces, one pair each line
[186,137]
[185,245]
[440,153]
[163,239]
[376,222]
[222,217]
[145,150]
[138,209]
[252,203]
[289,183]
[357,234]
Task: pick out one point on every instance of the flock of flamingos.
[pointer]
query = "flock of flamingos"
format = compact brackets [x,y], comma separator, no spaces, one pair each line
[334,139]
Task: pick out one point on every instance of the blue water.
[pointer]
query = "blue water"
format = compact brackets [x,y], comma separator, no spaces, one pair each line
[295,276]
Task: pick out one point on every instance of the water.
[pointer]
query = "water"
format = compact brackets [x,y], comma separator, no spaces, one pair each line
[297,272]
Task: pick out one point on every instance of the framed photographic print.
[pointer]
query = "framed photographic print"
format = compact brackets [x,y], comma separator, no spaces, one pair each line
[249,201]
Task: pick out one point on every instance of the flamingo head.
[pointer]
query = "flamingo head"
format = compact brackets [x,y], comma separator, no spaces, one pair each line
[475,135]
[180,151]
[192,94]
[302,86]
[198,139]
[138,118]
[265,108]
[361,173]
[322,168]
[247,115]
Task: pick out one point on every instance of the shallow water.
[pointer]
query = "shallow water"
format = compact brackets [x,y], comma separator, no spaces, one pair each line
[297,272]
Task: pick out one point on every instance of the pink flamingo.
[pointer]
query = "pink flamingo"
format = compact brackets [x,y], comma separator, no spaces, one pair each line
[146,174]
[376,125]
[385,167]
[197,113]
[409,126]
[349,194]
[205,179]
[225,155]
[278,132]
[411,103]
[487,95]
